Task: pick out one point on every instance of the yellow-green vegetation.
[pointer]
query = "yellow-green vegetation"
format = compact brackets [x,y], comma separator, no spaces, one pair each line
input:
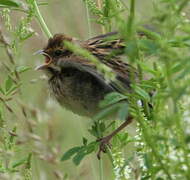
[37,136]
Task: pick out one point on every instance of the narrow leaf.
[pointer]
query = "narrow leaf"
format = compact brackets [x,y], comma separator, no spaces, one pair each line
[21,69]
[12,89]
[18,163]
[11,3]
[1,90]
[8,83]
[84,140]
[141,92]
[105,112]
[67,155]
[91,147]
[123,111]
[79,157]
[111,98]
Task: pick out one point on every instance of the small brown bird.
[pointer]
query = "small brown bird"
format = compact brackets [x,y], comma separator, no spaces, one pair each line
[75,82]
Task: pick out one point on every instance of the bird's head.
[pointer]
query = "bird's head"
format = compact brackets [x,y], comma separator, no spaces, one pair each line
[54,52]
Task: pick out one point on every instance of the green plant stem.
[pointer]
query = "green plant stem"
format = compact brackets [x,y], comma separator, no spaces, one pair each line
[88,21]
[101,169]
[109,153]
[131,18]
[100,161]
[132,9]
[84,135]
[41,21]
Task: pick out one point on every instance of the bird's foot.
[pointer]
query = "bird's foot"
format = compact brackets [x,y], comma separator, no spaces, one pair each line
[104,144]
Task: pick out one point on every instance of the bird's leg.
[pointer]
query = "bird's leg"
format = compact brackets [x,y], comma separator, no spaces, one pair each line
[105,141]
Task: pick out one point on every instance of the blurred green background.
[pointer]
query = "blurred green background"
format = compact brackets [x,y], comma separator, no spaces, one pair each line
[43,127]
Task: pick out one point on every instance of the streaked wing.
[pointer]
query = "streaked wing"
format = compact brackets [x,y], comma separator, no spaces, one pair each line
[105,45]
[108,48]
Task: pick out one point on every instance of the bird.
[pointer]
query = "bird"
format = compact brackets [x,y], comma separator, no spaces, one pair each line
[76,83]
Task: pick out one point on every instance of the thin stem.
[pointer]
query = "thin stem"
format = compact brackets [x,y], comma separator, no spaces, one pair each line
[131,18]
[100,160]
[109,153]
[41,21]
[84,135]
[101,169]
[132,8]
[88,21]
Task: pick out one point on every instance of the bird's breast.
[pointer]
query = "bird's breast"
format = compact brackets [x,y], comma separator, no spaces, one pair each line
[78,91]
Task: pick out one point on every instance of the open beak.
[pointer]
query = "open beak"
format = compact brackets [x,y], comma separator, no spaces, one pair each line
[48,60]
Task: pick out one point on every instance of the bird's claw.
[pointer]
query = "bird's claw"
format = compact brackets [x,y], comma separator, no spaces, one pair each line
[104,144]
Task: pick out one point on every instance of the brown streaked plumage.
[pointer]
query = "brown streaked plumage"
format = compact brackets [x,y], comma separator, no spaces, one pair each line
[75,82]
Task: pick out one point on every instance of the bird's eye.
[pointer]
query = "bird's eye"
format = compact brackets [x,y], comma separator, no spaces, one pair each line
[58,52]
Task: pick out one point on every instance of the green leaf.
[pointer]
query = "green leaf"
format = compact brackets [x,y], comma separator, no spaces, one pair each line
[147,68]
[21,69]
[84,140]
[11,3]
[141,92]
[67,155]
[123,137]
[1,90]
[184,72]
[187,139]
[102,127]
[18,163]
[27,36]
[91,147]
[180,66]
[28,161]
[42,3]
[1,117]
[149,46]
[13,88]
[123,111]
[131,49]
[147,161]
[79,157]
[8,83]
[107,111]
[94,130]
[111,98]
[147,177]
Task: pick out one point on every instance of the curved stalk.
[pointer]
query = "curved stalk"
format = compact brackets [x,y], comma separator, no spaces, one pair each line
[41,21]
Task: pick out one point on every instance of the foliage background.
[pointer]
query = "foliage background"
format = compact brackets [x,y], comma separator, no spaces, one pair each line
[33,123]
